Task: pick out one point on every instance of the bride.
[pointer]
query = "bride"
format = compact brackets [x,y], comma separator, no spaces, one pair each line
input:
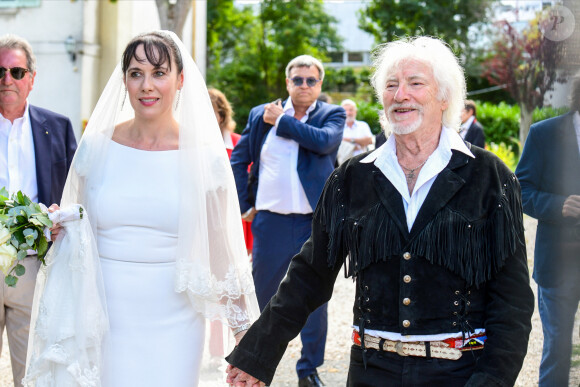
[168,252]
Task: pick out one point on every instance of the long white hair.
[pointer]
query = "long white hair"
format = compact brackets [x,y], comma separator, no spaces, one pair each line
[447,72]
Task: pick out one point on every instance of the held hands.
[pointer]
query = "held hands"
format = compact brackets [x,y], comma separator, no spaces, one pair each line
[238,378]
[249,215]
[571,207]
[272,111]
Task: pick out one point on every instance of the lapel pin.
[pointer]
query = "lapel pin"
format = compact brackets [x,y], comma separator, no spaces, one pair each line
[46,132]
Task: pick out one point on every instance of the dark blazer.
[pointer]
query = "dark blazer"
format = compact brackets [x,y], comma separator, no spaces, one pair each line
[549,172]
[319,139]
[465,255]
[475,134]
[54,148]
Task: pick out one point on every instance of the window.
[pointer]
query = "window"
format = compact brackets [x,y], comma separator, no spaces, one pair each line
[336,57]
[355,56]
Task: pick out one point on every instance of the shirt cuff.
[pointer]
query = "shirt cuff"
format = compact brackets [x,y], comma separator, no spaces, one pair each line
[247,212]
[278,119]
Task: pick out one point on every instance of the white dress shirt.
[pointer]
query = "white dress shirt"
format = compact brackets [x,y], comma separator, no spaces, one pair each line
[465,126]
[280,189]
[385,158]
[359,129]
[17,159]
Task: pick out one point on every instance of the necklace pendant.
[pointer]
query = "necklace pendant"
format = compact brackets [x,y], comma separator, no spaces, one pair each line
[411,175]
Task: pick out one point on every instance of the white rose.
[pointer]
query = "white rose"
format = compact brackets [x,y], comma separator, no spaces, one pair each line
[4,235]
[7,257]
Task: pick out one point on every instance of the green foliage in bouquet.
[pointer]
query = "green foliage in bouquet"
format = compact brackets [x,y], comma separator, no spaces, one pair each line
[22,224]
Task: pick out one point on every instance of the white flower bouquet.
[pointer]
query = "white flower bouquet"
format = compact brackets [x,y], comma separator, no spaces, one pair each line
[22,228]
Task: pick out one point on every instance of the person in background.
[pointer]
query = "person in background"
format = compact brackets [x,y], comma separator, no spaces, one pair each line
[549,172]
[225,117]
[356,132]
[292,146]
[431,229]
[471,130]
[36,150]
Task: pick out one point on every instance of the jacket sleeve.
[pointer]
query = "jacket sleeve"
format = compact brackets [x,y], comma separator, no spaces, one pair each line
[542,205]
[240,160]
[509,307]
[307,285]
[323,139]
[71,144]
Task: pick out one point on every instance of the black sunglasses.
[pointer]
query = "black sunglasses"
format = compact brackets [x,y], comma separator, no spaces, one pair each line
[16,72]
[310,81]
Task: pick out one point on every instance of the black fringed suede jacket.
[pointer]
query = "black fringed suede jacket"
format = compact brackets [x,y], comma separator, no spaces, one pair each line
[463,265]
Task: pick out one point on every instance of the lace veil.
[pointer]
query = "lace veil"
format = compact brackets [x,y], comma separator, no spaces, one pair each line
[212,262]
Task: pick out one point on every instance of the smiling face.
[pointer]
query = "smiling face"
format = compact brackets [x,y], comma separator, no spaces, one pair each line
[410,98]
[303,96]
[13,92]
[151,88]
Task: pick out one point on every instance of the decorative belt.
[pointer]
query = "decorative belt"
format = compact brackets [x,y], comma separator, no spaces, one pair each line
[446,349]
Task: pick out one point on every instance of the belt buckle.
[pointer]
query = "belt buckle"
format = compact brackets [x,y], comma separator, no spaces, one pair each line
[399,348]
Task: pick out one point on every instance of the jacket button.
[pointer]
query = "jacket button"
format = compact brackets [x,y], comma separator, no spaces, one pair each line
[407,256]
[456,303]
[454,323]
[406,323]
[407,279]
[406,301]
[457,292]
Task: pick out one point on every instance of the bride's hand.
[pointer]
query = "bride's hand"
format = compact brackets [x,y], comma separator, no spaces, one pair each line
[56,227]
[239,336]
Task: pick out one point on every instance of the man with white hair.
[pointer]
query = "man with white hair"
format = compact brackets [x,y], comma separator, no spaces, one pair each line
[432,231]
[357,134]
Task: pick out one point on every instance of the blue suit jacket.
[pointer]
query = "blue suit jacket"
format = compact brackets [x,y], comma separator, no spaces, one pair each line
[319,139]
[549,172]
[475,134]
[54,148]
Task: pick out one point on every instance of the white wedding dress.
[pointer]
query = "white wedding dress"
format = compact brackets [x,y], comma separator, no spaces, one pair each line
[156,337]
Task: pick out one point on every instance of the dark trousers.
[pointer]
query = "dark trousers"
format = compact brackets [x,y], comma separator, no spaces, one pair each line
[389,369]
[277,238]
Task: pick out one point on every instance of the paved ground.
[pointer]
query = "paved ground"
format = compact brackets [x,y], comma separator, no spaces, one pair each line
[335,367]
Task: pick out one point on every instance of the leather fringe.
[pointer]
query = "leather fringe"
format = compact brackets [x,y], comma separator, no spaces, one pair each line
[475,251]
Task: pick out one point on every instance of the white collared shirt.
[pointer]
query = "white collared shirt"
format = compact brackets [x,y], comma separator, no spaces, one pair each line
[359,129]
[17,159]
[465,126]
[280,189]
[576,121]
[385,158]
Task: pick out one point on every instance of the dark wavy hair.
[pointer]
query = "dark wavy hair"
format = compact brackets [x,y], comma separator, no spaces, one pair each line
[159,48]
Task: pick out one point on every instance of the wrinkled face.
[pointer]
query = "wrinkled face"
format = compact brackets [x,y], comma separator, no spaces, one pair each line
[410,98]
[350,113]
[303,95]
[13,92]
[151,89]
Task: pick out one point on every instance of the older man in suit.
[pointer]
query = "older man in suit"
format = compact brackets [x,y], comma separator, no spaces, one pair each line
[293,147]
[549,173]
[37,147]
[471,129]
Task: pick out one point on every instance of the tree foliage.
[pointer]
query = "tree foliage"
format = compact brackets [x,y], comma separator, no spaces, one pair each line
[527,63]
[248,52]
[447,19]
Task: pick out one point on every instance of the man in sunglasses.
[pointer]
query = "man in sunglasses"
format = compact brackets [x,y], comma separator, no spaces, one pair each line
[36,149]
[431,230]
[292,146]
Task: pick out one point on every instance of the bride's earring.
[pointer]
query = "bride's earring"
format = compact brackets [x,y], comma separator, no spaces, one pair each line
[178,97]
